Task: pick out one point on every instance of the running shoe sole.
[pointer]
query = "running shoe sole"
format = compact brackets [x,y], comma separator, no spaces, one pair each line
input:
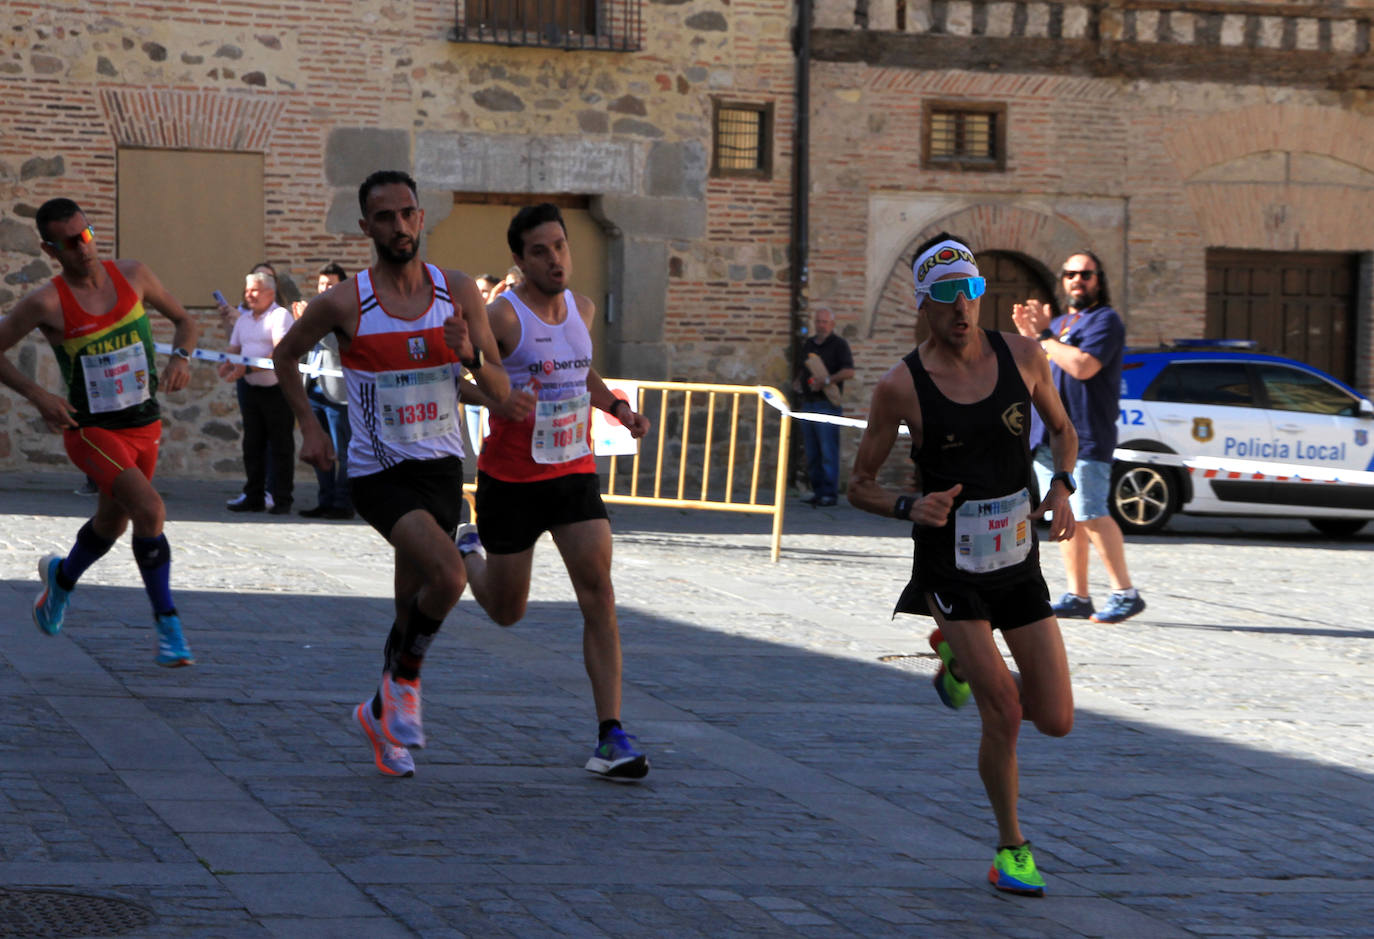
[401,763]
[626,770]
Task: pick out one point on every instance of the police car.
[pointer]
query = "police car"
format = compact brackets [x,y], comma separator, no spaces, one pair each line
[1215,428]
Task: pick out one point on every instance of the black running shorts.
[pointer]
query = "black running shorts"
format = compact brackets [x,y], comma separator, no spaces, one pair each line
[436,486]
[512,516]
[1019,603]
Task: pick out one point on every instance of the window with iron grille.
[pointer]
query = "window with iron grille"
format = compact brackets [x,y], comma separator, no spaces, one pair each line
[607,25]
[743,139]
[965,136]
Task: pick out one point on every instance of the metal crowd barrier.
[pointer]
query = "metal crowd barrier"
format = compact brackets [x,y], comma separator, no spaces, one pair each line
[694,429]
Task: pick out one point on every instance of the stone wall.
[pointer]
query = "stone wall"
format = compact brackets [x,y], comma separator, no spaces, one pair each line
[329,90]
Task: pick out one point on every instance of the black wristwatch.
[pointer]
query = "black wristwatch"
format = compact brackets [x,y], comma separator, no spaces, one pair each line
[1045,333]
[477,360]
[179,352]
[1066,479]
[902,507]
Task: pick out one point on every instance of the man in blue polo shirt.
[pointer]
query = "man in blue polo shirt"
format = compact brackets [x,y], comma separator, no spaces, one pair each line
[1084,347]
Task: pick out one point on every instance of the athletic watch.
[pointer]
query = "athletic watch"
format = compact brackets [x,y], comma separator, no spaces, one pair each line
[477,360]
[902,507]
[1045,333]
[181,353]
[1065,478]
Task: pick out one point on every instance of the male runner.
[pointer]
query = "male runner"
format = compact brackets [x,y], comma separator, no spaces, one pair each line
[92,313]
[965,394]
[404,327]
[538,474]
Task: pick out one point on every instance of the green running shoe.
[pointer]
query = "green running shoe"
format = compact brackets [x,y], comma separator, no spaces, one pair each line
[1013,870]
[953,693]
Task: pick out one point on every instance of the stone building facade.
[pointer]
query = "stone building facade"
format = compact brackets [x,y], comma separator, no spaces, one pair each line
[321,93]
[1191,144]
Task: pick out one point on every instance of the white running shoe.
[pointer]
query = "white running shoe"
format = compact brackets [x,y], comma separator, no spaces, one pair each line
[401,711]
[391,761]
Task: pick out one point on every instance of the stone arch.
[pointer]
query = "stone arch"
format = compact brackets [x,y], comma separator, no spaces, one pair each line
[1042,240]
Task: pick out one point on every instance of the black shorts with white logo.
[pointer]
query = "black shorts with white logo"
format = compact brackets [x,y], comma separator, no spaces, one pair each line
[436,486]
[1008,606]
[512,516]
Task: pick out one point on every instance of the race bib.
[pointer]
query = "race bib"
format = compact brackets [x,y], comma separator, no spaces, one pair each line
[116,380]
[417,404]
[990,534]
[560,429]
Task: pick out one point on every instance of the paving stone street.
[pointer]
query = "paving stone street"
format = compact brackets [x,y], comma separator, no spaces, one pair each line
[805,779]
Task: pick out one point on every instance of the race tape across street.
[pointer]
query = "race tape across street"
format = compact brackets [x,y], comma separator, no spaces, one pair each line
[779,404]
[210,355]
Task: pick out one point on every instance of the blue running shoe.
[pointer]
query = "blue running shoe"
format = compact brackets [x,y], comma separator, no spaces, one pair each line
[172,650]
[51,605]
[468,541]
[615,758]
[1070,606]
[1119,607]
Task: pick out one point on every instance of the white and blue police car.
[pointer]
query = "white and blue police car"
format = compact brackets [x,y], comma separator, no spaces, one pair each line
[1212,427]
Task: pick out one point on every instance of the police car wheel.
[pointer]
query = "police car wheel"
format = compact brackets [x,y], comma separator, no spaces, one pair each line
[1337,527]
[1142,497]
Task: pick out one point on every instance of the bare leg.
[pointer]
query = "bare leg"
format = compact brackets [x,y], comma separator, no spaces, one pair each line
[1110,545]
[586,550]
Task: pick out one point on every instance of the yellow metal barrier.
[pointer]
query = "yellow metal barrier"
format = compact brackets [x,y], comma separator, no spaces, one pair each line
[672,440]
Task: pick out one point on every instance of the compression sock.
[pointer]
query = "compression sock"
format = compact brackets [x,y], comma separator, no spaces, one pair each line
[89,548]
[154,559]
[410,653]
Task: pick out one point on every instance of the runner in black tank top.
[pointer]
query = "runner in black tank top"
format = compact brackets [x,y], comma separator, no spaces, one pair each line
[975,565]
[985,446]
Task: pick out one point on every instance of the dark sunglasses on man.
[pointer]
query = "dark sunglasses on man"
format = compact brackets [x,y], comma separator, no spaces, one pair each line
[72,242]
[1085,275]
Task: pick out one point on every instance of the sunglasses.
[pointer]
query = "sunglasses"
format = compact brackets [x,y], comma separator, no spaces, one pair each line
[71,242]
[1085,275]
[947,291]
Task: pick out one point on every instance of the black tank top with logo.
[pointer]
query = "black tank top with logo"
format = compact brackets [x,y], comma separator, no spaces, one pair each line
[986,447]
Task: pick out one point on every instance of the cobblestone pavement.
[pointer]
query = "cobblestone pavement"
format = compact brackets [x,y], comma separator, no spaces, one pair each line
[805,779]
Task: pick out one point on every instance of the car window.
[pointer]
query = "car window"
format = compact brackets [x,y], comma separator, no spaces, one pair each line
[1219,383]
[1292,389]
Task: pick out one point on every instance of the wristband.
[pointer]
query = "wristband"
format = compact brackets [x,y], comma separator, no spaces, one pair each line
[1045,333]
[902,509]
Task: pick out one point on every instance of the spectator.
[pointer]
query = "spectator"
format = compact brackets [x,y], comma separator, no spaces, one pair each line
[228,316]
[267,419]
[826,364]
[1084,347]
[487,284]
[328,397]
[512,279]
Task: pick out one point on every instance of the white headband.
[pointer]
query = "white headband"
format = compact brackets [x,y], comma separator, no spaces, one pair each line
[947,257]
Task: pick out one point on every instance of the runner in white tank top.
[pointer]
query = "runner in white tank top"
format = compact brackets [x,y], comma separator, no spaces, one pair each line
[402,327]
[539,475]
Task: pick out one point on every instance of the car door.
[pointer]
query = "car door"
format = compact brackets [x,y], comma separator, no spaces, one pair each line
[1208,408]
[1318,425]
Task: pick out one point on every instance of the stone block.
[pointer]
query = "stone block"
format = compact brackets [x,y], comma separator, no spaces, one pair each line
[342,217]
[642,269]
[676,169]
[510,163]
[642,217]
[351,153]
[19,237]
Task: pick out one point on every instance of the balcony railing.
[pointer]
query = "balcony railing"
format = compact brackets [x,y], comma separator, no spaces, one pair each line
[606,25]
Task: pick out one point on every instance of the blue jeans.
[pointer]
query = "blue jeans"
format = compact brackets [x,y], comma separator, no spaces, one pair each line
[822,449]
[333,419]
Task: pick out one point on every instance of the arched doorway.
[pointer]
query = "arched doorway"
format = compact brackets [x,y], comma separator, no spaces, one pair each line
[1012,278]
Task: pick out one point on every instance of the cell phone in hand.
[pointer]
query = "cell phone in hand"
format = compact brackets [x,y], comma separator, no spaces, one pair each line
[219,298]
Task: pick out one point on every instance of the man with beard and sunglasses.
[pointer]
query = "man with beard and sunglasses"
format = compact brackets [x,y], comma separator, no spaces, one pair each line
[93,314]
[538,474]
[964,394]
[405,330]
[1085,348]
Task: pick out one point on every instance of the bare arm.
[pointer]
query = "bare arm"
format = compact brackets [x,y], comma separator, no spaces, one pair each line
[186,331]
[1035,370]
[329,311]
[1031,319]
[602,397]
[471,330]
[34,311]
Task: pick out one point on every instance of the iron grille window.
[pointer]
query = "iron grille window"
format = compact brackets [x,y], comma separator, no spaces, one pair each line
[743,139]
[965,136]
[608,25]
